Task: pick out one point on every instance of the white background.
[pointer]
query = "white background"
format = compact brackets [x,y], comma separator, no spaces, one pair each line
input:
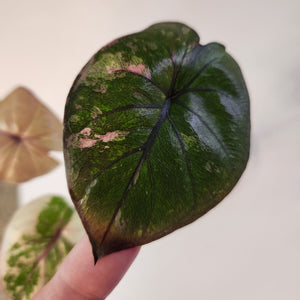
[248,247]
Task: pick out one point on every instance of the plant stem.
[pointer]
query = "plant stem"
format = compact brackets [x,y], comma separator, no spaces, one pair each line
[8,204]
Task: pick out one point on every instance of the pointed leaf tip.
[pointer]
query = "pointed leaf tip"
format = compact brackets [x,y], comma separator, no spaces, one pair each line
[177,116]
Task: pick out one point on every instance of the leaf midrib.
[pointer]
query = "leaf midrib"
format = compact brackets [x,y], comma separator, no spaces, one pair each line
[146,151]
[171,96]
[44,253]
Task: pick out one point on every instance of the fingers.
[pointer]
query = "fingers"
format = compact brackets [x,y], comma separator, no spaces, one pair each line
[79,279]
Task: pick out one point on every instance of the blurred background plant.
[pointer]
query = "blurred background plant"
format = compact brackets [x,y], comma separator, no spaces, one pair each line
[36,237]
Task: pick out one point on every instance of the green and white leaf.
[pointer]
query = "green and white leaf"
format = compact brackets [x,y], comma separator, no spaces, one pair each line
[36,240]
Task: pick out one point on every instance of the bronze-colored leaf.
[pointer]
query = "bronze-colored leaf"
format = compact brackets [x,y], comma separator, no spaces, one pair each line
[28,131]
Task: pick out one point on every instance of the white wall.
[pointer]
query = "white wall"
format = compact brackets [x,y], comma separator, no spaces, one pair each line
[248,248]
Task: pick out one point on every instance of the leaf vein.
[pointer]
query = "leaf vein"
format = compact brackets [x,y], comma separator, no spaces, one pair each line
[223,147]
[176,70]
[156,84]
[146,151]
[200,72]
[123,108]
[186,158]
[203,89]
[133,151]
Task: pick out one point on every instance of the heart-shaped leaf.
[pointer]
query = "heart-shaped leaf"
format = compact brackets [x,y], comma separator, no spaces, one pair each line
[38,237]
[156,134]
[28,131]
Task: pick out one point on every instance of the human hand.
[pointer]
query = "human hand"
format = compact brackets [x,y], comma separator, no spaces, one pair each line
[79,279]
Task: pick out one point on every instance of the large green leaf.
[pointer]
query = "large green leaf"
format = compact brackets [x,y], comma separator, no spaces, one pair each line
[156,133]
[38,237]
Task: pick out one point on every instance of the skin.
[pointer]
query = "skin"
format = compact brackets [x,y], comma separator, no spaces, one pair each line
[79,279]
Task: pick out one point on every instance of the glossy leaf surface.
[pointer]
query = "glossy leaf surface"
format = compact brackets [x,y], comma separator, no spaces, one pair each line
[28,131]
[156,133]
[38,237]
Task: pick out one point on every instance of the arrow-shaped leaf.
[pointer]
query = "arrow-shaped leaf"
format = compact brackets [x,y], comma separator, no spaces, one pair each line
[28,131]
[156,134]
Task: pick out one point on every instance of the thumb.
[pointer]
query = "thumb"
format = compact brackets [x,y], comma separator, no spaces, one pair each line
[79,279]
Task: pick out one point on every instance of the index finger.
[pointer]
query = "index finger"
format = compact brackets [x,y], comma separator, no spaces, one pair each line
[79,279]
